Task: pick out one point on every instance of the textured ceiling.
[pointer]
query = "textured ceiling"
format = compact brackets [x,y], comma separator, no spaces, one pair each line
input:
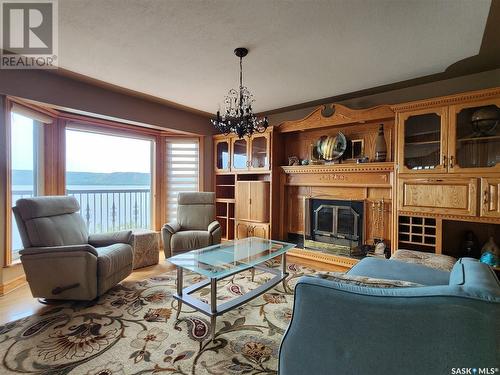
[300,51]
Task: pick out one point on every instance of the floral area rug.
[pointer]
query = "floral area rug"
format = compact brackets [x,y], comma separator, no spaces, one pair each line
[132,330]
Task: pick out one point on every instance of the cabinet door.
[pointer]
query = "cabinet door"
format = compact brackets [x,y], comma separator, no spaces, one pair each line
[259,201]
[422,141]
[242,198]
[240,154]
[222,155]
[490,197]
[260,151]
[242,230]
[474,141]
[438,196]
[260,230]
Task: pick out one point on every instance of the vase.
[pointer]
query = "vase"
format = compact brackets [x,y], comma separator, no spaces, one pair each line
[491,247]
[380,145]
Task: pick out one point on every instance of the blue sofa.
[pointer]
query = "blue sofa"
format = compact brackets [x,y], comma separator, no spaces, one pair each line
[450,323]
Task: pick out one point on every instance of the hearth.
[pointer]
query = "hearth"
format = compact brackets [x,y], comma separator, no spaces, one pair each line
[334,226]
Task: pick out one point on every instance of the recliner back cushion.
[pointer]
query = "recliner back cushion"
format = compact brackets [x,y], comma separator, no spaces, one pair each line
[195,216]
[60,230]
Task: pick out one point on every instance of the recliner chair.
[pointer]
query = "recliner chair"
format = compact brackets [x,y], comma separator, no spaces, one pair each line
[196,226]
[61,260]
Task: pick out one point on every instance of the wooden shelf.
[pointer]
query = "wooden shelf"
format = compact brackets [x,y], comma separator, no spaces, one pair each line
[346,167]
[224,185]
[225,200]
[422,143]
[474,139]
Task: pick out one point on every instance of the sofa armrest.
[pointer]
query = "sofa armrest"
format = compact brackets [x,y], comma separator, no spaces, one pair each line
[106,239]
[213,226]
[58,250]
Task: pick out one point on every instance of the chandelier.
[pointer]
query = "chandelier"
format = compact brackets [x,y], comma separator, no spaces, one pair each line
[237,115]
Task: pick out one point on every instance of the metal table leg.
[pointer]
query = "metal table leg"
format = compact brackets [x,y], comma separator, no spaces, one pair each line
[179,290]
[253,273]
[283,270]
[213,306]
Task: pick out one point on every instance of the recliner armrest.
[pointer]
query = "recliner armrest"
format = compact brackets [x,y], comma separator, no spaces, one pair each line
[172,228]
[58,249]
[106,239]
[213,226]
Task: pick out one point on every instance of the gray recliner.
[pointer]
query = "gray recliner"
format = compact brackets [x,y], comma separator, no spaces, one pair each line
[196,226]
[61,260]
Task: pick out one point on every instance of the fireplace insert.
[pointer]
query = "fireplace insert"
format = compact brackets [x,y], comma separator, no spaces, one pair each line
[334,226]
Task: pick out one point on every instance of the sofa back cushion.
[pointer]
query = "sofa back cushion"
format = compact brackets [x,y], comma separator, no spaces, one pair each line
[51,221]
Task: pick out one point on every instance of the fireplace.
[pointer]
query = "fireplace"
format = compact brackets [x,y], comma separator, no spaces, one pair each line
[334,226]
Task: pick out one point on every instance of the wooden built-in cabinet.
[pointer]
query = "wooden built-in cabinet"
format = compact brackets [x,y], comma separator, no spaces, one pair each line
[442,168]
[445,139]
[252,201]
[490,197]
[246,229]
[447,196]
[243,184]
[422,141]
[448,170]
[470,149]
[251,154]
[252,209]
[222,158]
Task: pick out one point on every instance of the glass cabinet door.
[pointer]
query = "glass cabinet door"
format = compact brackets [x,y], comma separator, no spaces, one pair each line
[240,155]
[475,137]
[259,152]
[423,142]
[222,155]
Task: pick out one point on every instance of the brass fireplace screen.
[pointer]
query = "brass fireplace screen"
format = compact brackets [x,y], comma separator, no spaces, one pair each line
[334,226]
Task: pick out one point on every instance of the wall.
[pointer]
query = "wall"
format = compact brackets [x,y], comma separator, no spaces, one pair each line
[74,94]
[451,86]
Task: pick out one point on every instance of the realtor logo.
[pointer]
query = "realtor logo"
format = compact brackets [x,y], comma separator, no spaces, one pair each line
[28,34]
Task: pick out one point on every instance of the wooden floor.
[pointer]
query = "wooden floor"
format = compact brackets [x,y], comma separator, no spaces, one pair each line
[19,303]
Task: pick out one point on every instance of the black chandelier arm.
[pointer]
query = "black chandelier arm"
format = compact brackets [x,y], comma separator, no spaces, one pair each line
[238,116]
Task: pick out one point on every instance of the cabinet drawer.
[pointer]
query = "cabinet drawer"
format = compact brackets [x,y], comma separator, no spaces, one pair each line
[438,196]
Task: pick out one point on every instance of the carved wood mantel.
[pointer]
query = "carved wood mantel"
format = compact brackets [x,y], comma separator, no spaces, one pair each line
[337,115]
[353,175]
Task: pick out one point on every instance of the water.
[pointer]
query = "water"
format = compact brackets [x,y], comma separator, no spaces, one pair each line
[104,208]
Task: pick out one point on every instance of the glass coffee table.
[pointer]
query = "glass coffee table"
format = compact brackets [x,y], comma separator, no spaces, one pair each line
[220,261]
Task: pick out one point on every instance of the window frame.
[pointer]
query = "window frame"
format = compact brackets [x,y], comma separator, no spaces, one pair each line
[47,135]
[54,154]
[90,127]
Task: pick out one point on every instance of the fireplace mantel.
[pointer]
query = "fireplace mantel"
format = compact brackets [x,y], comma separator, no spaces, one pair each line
[354,175]
[332,168]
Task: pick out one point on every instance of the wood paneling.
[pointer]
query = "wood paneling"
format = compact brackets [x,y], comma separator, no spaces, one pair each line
[342,115]
[252,201]
[490,197]
[299,143]
[437,195]
[246,229]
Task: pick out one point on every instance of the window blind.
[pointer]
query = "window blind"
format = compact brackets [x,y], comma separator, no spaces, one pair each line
[182,171]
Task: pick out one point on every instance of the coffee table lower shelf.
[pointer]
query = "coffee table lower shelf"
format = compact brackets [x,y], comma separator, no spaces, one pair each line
[213,310]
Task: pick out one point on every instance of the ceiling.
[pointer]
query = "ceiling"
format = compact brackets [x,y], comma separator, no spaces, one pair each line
[300,51]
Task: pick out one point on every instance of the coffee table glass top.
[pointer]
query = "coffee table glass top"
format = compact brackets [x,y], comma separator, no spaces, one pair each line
[227,258]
